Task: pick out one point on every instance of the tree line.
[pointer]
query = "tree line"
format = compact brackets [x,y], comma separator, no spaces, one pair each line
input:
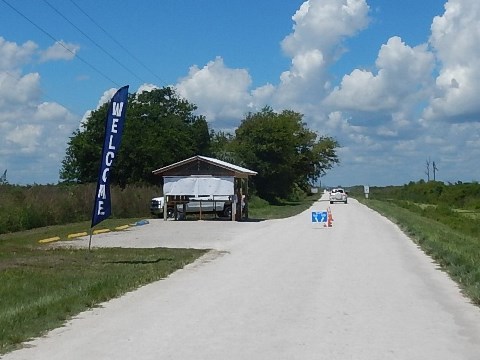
[437,193]
[162,128]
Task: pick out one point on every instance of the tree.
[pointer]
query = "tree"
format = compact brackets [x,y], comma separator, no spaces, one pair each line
[283,151]
[160,129]
[221,147]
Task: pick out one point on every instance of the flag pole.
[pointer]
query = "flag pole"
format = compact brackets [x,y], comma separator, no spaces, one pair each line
[90,240]
[114,125]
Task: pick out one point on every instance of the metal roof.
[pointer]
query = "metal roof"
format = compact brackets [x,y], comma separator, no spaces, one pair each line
[223,164]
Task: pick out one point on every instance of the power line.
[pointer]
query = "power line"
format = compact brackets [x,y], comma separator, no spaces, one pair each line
[93,41]
[60,43]
[116,41]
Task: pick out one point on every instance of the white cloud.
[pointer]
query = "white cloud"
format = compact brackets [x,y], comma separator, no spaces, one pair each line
[17,90]
[218,91]
[403,79]
[381,123]
[104,99]
[315,43]
[13,55]
[33,134]
[304,82]
[262,96]
[146,87]
[455,38]
[59,51]
[24,138]
[323,24]
[304,65]
[39,131]
[319,30]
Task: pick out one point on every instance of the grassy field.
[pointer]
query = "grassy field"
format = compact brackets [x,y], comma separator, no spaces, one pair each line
[41,289]
[42,286]
[35,206]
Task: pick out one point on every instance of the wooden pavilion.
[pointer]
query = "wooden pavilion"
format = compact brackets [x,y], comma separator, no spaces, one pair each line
[201,177]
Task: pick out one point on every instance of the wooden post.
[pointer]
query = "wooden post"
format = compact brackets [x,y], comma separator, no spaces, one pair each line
[165,207]
[246,199]
[234,207]
[240,195]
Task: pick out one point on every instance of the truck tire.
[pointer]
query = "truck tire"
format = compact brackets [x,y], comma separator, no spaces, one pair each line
[227,211]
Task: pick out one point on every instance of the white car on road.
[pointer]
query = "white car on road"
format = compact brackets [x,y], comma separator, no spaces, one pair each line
[338,195]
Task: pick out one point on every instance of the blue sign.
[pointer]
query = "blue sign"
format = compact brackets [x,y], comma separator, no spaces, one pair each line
[319,216]
[113,135]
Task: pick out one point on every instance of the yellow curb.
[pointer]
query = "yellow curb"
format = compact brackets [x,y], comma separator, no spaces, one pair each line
[123,227]
[49,240]
[100,231]
[71,236]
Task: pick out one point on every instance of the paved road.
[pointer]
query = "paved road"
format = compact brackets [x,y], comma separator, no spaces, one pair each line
[282,289]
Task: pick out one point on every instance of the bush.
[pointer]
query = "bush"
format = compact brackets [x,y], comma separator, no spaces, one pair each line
[33,206]
[258,202]
[297,193]
[457,196]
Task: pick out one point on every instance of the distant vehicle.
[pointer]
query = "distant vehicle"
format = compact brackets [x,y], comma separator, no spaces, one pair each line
[338,195]
[157,206]
[222,205]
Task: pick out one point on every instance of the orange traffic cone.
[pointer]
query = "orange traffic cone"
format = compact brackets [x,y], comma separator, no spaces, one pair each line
[329,218]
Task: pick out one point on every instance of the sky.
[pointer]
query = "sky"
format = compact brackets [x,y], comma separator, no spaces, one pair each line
[395,82]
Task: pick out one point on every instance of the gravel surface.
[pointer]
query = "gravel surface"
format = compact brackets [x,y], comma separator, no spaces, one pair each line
[279,289]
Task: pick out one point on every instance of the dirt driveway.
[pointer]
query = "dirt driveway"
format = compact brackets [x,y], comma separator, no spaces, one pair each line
[282,289]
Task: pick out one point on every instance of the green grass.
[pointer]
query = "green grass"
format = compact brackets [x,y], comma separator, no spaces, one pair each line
[469,214]
[456,251]
[41,287]
[261,209]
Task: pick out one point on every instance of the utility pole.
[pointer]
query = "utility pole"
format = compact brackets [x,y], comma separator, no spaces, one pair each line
[435,169]
[3,178]
[427,172]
